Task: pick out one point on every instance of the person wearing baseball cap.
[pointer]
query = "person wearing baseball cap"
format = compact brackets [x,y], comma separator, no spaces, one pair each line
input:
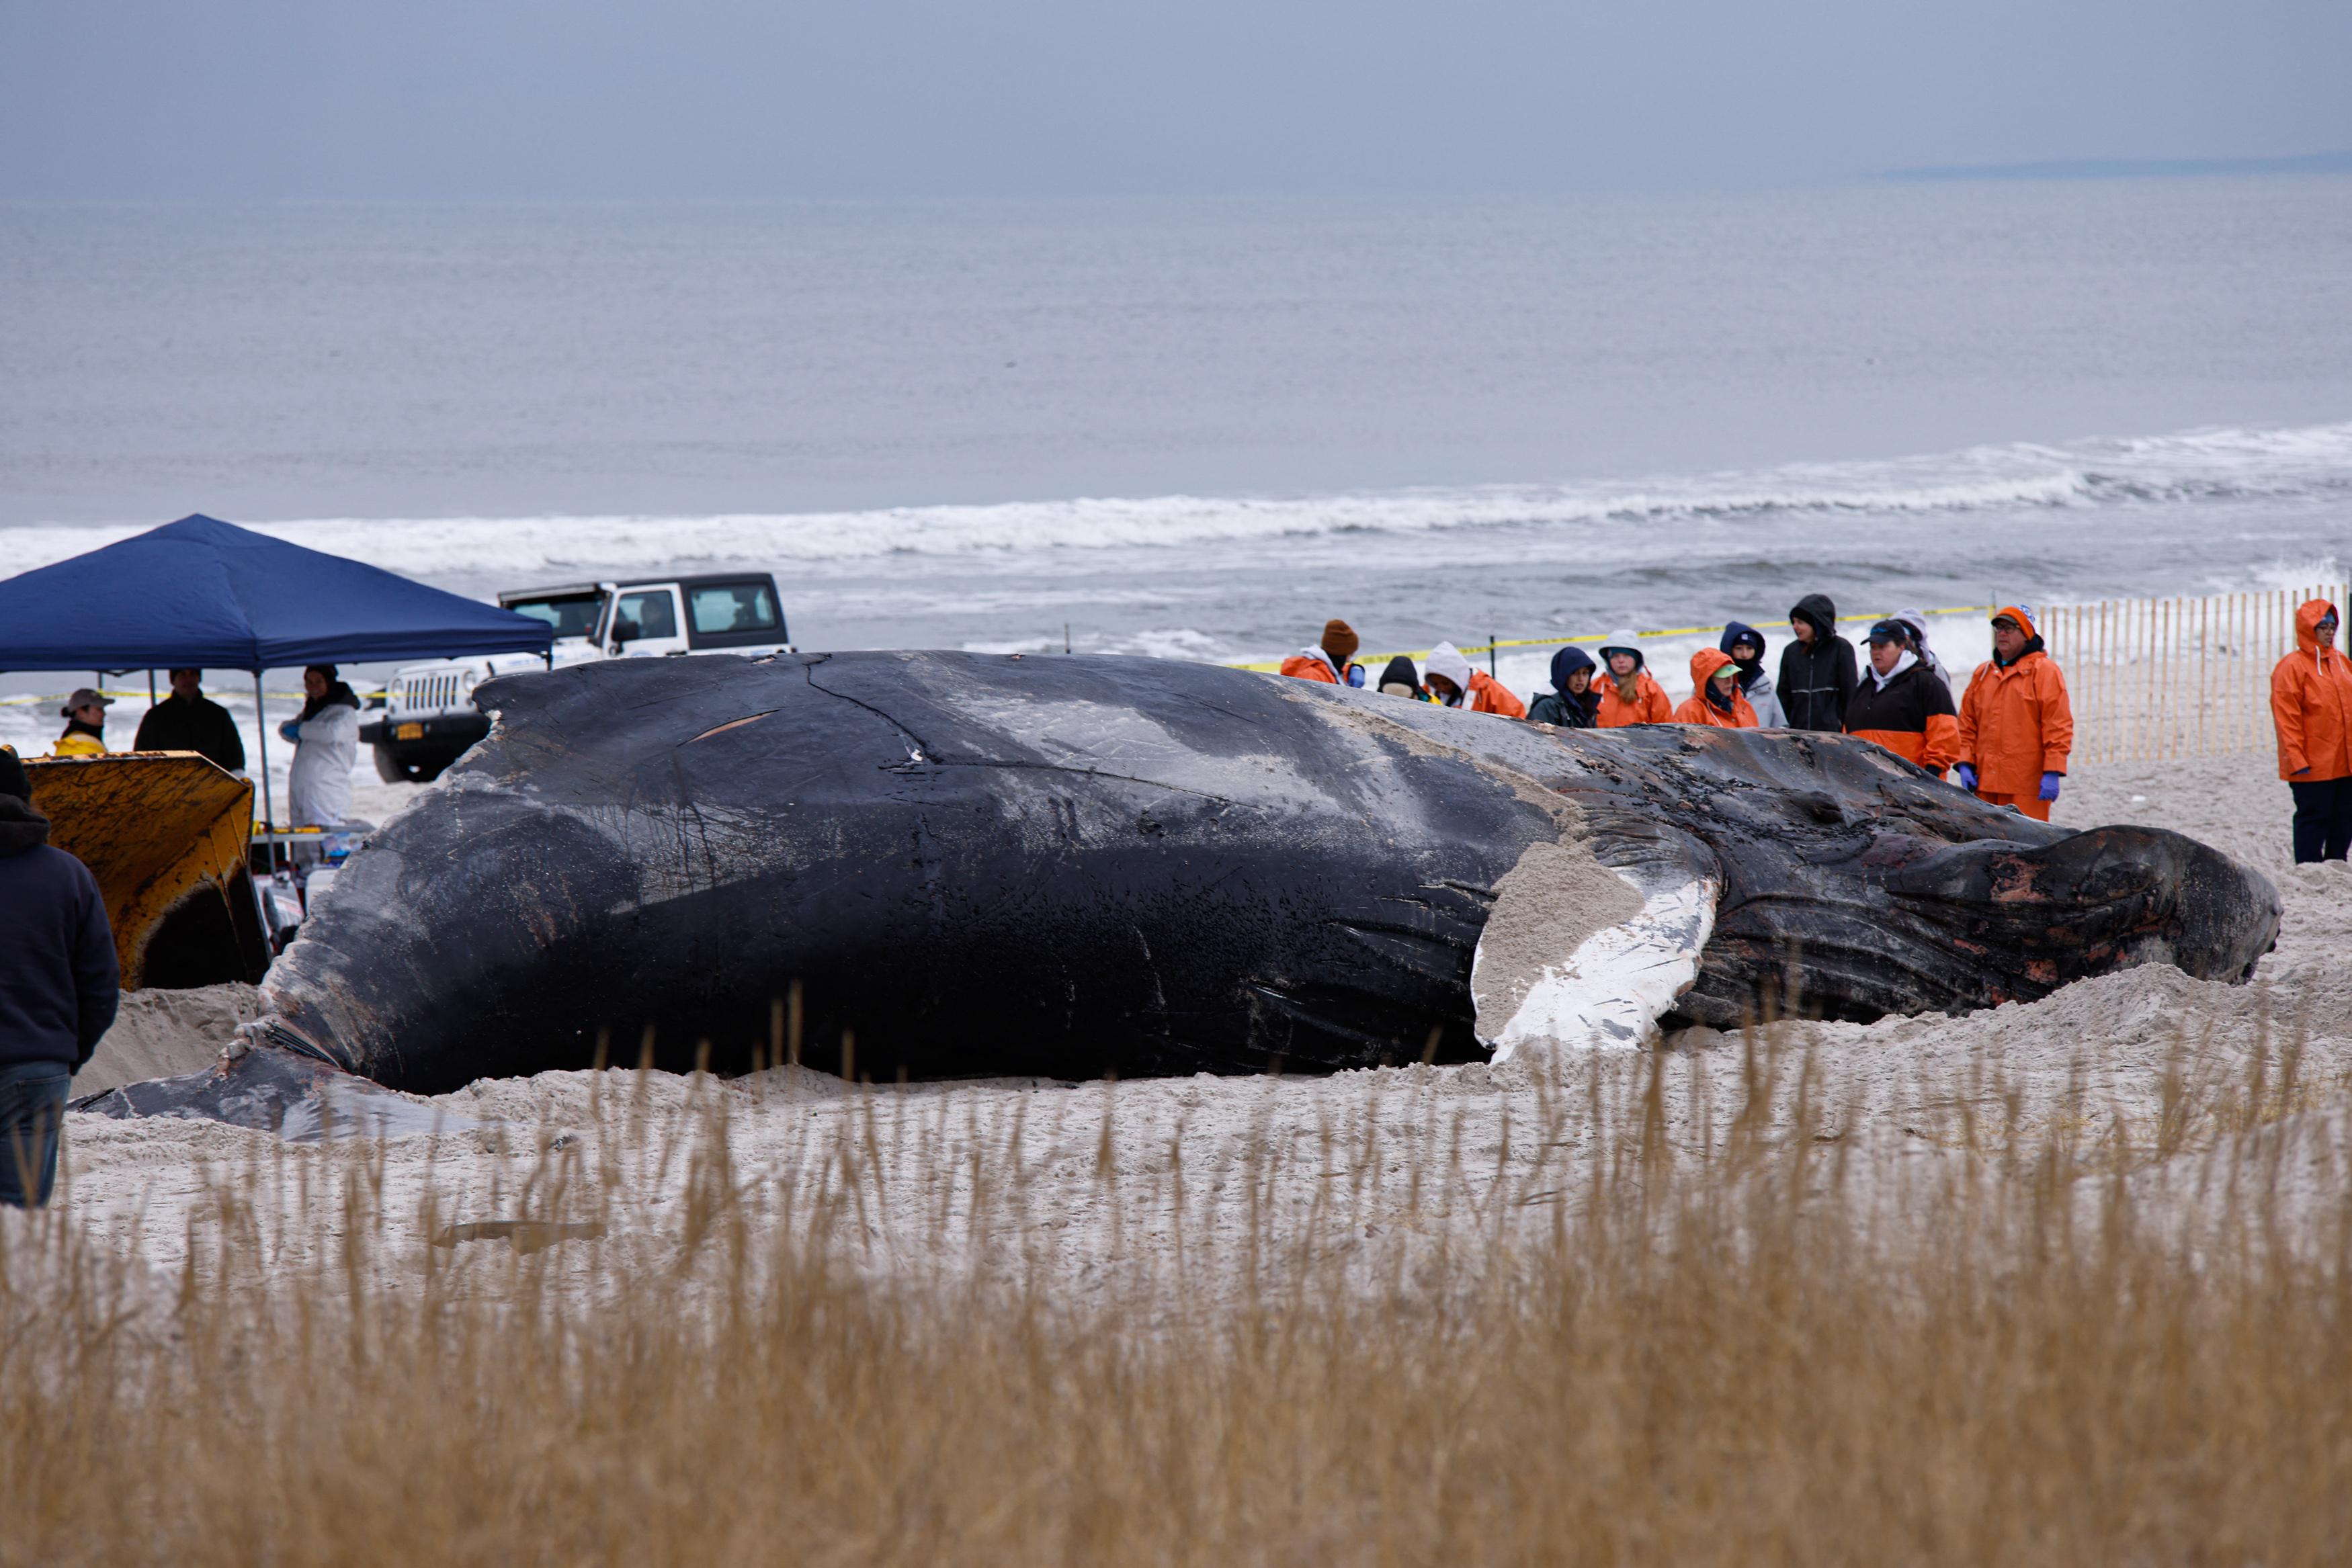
[2016,722]
[1328,663]
[1902,703]
[85,717]
[1716,698]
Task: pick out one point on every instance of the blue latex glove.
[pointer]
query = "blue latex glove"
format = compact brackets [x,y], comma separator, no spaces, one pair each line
[291,731]
[1966,774]
[2049,784]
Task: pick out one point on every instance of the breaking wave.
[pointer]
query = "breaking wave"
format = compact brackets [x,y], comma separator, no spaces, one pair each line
[2313,463]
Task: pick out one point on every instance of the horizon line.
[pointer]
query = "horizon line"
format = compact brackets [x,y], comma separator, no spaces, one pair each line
[2124,167]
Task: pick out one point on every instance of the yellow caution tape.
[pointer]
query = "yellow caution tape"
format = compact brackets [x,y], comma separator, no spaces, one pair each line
[160,693]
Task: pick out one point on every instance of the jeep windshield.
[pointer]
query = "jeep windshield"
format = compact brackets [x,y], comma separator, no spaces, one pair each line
[572,614]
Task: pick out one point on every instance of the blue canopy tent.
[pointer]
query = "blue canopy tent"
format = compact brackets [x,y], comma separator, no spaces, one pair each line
[206,594]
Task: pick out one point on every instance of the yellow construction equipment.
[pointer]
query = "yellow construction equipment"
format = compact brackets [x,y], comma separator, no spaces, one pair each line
[165,832]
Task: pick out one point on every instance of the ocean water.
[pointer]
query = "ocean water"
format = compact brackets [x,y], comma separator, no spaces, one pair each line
[1198,429]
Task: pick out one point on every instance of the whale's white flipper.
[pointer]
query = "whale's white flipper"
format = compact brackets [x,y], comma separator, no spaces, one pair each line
[1578,955]
[1609,992]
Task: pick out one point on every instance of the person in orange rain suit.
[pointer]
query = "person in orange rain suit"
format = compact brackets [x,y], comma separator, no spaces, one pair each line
[2311,705]
[1715,697]
[1629,694]
[1902,703]
[2016,724]
[1329,664]
[1452,681]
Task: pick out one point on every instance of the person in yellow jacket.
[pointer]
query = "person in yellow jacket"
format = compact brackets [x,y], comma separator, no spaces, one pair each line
[2311,707]
[1452,682]
[2016,723]
[85,717]
[1328,663]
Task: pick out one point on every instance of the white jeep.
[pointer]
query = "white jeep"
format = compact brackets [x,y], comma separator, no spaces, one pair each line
[429,719]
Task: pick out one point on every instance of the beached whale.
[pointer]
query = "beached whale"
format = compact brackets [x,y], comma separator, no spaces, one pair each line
[959,863]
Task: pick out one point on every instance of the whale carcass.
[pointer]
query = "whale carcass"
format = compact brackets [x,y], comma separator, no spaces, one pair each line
[959,864]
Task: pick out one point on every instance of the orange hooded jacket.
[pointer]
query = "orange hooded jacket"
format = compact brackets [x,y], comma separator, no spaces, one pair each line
[1698,710]
[1650,704]
[2311,705]
[2015,723]
[1312,664]
[1489,695]
[1480,692]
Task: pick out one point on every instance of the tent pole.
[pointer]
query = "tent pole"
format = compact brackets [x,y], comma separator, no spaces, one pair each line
[268,813]
[151,688]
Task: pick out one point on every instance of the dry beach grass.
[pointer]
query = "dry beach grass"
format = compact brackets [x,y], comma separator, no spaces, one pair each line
[2060,1283]
[1728,1347]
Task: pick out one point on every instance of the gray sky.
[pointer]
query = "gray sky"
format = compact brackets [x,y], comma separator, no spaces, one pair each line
[567,98]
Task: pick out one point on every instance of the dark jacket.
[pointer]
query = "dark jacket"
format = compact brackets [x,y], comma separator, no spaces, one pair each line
[1559,705]
[1912,716]
[338,695]
[59,983]
[1817,678]
[197,724]
[1400,671]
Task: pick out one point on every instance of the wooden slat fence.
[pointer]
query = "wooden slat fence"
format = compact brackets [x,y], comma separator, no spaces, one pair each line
[2154,678]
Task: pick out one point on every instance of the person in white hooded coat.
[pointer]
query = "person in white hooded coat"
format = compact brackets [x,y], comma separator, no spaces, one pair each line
[1449,679]
[326,737]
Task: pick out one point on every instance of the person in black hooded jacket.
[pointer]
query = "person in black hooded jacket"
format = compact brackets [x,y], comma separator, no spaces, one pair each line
[57,986]
[1402,680]
[1571,703]
[1817,670]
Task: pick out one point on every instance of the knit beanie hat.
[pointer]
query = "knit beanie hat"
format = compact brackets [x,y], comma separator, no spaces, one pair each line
[1339,641]
[13,780]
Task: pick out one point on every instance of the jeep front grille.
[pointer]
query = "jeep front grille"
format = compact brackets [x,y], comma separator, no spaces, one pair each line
[434,693]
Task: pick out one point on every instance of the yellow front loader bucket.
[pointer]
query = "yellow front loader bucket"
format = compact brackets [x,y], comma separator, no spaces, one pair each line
[165,832]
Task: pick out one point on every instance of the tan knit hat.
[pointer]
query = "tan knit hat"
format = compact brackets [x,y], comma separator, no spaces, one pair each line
[1339,641]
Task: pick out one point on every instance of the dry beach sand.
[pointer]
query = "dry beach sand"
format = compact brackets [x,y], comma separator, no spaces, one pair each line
[1097,1188]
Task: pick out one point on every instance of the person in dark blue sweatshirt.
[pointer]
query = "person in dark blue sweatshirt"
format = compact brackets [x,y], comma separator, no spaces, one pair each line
[59,987]
[1746,646]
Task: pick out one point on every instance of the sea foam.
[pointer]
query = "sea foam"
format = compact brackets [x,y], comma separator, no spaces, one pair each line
[2313,462]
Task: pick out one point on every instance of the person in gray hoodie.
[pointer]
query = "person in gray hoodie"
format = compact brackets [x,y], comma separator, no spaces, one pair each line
[1917,621]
